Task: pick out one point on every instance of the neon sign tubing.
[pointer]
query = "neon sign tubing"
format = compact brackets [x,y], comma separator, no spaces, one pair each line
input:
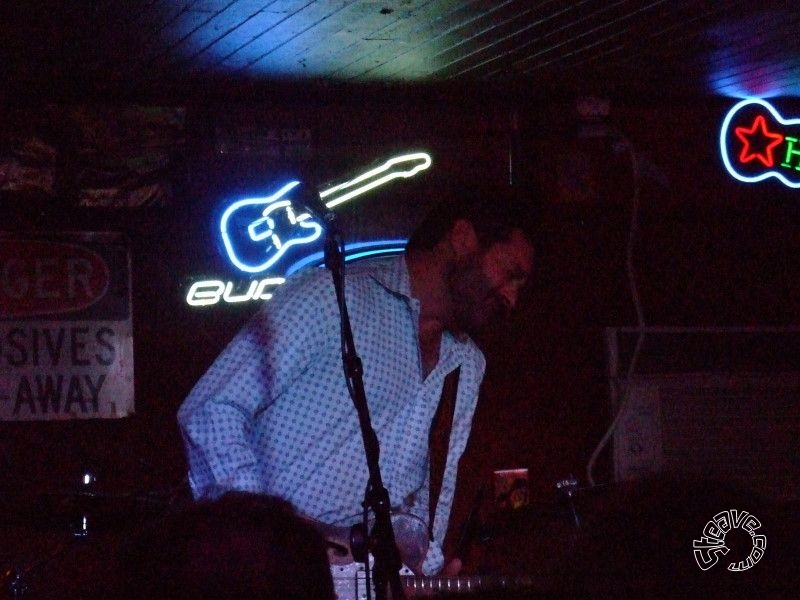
[255,235]
[425,162]
[210,291]
[263,228]
[366,249]
[724,147]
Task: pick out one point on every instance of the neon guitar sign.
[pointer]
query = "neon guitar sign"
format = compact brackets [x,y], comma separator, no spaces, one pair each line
[257,232]
[757,143]
[253,234]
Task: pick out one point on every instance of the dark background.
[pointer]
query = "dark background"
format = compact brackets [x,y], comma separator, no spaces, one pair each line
[709,251]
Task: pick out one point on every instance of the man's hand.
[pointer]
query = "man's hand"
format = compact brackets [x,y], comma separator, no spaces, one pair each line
[452,568]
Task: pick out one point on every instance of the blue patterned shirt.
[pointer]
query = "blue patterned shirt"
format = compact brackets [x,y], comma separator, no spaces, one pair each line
[273,413]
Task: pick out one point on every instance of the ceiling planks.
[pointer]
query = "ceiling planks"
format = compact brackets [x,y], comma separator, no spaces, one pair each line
[632,48]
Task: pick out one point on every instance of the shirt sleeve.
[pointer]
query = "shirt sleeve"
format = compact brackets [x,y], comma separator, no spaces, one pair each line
[217,418]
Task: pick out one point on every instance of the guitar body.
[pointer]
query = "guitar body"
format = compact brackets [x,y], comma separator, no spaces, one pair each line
[350,580]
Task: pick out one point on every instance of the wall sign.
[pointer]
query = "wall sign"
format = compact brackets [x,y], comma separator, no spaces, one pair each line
[66,342]
[269,237]
[757,142]
[257,232]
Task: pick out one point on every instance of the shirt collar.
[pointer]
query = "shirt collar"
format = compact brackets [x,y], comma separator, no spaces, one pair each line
[393,275]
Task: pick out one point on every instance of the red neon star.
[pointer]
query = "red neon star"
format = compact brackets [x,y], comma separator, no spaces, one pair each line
[760,149]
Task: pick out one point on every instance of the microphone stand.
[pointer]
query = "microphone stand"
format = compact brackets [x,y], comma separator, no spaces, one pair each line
[387,562]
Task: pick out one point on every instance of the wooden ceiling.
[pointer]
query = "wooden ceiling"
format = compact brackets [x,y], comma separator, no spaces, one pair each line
[190,49]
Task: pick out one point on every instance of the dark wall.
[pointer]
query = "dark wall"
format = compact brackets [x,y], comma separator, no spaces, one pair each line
[706,251]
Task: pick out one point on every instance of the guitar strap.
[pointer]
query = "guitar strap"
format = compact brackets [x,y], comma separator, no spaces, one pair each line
[439,441]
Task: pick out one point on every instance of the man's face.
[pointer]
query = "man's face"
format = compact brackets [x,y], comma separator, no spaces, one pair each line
[485,284]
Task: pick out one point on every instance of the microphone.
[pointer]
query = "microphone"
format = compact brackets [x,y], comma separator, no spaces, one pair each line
[310,199]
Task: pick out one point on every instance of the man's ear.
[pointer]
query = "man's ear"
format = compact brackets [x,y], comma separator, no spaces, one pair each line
[463,238]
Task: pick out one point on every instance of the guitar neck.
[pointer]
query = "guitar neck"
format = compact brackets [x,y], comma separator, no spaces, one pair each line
[457,584]
[349,582]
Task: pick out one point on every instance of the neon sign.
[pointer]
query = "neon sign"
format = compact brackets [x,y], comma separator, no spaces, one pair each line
[756,143]
[257,234]
[378,176]
[353,252]
[212,291]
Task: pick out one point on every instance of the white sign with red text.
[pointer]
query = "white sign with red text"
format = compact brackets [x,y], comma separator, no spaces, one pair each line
[66,337]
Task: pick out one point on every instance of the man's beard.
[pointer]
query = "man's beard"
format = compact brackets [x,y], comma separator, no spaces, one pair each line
[475,303]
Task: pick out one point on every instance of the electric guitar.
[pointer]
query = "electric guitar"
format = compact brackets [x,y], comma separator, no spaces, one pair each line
[257,232]
[350,577]
[350,583]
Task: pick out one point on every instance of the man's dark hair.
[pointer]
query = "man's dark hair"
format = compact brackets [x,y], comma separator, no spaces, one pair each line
[239,546]
[494,212]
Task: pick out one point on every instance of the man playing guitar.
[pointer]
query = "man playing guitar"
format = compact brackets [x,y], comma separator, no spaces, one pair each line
[273,414]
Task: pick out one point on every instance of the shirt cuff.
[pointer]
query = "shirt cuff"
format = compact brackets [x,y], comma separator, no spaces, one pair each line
[434,560]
